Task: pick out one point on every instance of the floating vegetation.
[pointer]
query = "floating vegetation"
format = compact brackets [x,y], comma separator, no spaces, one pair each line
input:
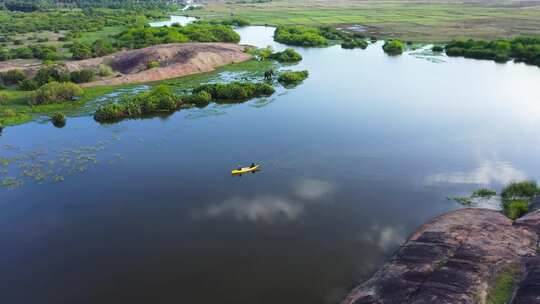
[486,202]
[487,193]
[464,200]
[19,166]
[427,53]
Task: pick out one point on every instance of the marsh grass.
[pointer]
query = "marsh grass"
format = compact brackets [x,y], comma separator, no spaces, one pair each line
[502,287]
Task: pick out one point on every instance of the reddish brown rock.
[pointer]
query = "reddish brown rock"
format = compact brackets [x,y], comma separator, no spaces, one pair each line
[131,66]
[451,259]
[530,221]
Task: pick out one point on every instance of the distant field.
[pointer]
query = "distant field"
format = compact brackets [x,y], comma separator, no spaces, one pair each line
[433,21]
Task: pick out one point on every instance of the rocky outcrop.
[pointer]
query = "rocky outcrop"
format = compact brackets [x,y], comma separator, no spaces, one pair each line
[455,258]
[530,221]
[131,66]
[175,60]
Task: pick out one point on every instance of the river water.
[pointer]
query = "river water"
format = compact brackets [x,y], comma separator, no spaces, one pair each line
[354,160]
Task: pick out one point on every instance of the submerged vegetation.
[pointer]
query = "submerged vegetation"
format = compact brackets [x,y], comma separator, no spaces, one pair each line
[523,49]
[393,47]
[292,77]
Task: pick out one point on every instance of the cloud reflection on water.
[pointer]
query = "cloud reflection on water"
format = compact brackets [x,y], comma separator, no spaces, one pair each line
[489,172]
[270,208]
[263,208]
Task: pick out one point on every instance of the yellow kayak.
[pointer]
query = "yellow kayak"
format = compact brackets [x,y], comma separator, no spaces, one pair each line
[245,170]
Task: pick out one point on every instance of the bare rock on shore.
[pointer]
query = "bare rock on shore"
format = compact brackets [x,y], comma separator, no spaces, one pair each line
[132,66]
[452,259]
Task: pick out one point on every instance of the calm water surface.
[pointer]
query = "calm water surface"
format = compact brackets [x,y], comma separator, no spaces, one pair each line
[355,159]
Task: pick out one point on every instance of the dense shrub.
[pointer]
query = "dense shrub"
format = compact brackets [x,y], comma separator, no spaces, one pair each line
[80,51]
[234,21]
[54,92]
[236,91]
[3,98]
[198,32]
[437,49]
[12,76]
[514,209]
[288,55]
[28,85]
[159,99]
[58,119]
[393,47]
[354,43]
[49,74]
[262,53]
[520,190]
[206,32]
[38,51]
[331,33]
[292,77]
[299,35]
[82,76]
[521,49]
[104,70]
[200,98]
[101,47]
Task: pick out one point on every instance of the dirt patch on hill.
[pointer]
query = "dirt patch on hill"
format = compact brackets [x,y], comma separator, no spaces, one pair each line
[174,60]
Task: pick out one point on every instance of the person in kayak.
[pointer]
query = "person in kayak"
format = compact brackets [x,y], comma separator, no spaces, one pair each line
[252,165]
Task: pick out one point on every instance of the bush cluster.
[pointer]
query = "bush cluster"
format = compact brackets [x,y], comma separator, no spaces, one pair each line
[140,37]
[437,49]
[288,55]
[58,119]
[200,99]
[104,70]
[517,197]
[12,77]
[300,35]
[236,91]
[394,47]
[38,51]
[55,92]
[82,76]
[234,21]
[159,99]
[292,77]
[99,48]
[354,43]
[521,49]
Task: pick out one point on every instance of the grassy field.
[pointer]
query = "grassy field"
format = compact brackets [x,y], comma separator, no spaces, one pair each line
[434,21]
[90,37]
